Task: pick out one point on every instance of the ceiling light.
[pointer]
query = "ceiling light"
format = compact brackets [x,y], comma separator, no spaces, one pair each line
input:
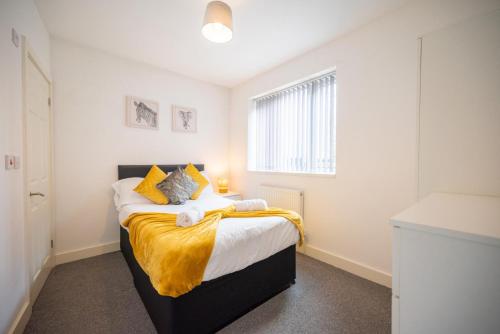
[218,22]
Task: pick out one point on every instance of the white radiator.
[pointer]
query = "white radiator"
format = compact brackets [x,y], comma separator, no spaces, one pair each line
[285,198]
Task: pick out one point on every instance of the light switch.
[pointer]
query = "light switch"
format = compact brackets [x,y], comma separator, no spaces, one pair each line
[9,162]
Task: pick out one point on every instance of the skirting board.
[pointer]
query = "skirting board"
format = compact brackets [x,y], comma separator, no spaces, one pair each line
[21,320]
[351,266]
[84,253]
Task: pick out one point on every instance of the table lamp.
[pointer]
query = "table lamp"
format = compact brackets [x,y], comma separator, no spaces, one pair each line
[223,185]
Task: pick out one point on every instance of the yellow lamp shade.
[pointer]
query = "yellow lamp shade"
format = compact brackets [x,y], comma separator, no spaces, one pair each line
[222,183]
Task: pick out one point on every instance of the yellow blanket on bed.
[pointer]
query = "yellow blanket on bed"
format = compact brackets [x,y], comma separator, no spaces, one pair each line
[175,257]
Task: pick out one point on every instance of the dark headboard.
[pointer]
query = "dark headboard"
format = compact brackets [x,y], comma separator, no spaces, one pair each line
[125,171]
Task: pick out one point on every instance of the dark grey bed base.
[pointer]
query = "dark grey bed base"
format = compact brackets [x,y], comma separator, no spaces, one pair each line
[216,303]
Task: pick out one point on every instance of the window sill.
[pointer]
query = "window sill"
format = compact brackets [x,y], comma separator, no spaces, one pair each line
[324,175]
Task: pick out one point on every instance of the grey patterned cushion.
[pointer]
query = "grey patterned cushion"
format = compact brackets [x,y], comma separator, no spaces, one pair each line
[178,187]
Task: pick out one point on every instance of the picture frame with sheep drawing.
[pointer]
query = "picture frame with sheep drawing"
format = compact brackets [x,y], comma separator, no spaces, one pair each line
[184,119]
[142,113]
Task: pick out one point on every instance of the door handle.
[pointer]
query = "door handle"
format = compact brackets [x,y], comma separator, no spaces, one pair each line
[37,194]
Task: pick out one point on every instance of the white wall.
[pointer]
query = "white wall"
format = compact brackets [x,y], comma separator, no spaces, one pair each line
[346,216]
[23,16]
[91,137]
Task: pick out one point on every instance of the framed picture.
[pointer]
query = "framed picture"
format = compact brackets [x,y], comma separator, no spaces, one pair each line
[184,119]
[142,113]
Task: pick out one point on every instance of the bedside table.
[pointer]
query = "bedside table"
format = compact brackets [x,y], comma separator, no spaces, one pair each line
[230,195]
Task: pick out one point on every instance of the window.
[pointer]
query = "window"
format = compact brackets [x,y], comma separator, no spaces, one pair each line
[293,129]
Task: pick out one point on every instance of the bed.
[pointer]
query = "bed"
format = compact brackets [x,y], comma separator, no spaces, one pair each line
[222,297]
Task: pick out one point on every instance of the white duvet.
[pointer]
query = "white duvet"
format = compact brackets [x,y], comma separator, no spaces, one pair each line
[239,242]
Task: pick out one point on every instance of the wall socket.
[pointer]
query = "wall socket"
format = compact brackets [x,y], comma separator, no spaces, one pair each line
[15,38]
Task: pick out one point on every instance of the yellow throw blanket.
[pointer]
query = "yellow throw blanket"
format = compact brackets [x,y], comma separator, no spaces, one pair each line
[175,257]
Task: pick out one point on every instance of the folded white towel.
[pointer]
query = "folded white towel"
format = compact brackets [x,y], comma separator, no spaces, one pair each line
[190,217]
[250,205]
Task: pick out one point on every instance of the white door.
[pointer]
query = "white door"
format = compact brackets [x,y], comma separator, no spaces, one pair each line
[38,175]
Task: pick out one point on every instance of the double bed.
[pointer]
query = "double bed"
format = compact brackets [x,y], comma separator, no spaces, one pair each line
[253,259]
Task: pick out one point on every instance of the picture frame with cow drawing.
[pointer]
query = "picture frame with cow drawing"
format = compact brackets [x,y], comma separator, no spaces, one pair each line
[142,113]
[184,119]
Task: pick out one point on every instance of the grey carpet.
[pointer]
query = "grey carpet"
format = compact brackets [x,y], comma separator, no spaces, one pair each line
[97,295]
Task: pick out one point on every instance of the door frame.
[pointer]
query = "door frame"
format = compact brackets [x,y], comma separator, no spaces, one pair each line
[34,288]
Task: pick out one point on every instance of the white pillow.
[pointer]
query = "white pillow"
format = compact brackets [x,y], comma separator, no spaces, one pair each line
[209,189]
[125,194]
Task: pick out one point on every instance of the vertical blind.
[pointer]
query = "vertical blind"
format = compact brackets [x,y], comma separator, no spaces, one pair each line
[293,130]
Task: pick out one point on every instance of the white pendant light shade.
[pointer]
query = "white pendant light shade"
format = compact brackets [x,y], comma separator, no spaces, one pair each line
[218,22]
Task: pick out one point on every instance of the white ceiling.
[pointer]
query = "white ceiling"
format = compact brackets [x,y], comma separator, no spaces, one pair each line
[167,33]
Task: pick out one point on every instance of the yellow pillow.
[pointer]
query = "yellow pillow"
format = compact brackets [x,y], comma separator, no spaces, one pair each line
[195,174]
[147,187]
